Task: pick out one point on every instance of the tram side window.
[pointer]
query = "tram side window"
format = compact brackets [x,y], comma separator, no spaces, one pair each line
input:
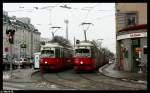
[47,53]
[62,52]
[69,54]
[65,53]
[93,52]
[57,51]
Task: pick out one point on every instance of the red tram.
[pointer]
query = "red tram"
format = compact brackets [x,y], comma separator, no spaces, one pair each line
[55,57]
[87,57]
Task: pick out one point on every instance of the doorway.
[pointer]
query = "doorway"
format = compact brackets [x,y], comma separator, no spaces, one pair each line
[135,55]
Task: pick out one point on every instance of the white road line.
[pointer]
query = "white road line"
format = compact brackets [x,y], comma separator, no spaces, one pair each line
[15,85]
[10,88]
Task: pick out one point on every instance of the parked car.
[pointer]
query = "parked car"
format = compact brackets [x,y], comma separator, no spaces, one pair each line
[24,62]
[6,64]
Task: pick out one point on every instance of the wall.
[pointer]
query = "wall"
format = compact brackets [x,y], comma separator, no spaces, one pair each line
[144,56]
[140,8]
[20,36]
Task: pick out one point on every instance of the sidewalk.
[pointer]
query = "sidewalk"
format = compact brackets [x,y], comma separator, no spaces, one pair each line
[108,70]
[19,76]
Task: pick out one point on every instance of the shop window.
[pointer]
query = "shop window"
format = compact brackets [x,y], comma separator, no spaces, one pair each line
[135,42]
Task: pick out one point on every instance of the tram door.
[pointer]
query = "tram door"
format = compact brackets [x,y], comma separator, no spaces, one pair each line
[135,54]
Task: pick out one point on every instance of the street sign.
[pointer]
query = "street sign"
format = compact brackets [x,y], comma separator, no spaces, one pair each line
[23,45]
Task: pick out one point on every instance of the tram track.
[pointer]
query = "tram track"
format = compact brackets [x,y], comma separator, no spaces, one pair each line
[67,83]
[106,83]
[43,79]
[81,81]
[93,82]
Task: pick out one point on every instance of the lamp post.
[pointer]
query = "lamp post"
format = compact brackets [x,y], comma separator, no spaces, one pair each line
[66,21]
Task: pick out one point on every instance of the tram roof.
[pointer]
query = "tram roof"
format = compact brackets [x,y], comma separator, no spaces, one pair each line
[84,44]
[52,45]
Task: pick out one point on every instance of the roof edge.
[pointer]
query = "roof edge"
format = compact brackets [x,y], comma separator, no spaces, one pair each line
[135,27]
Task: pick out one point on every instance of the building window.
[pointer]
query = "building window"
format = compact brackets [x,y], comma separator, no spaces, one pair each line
[131,19]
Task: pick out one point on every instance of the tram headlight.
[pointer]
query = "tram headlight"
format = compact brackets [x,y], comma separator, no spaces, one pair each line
[45,62]
[81,62]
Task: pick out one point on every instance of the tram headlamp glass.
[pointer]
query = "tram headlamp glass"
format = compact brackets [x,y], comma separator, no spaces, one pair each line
[81,62]
[45,62]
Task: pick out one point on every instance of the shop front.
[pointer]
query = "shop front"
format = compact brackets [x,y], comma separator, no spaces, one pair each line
[132,49]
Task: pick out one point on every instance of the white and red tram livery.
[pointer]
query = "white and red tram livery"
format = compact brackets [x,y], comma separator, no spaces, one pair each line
[55,57]
[86,57]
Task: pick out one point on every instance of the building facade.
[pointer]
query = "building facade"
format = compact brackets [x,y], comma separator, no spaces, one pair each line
[131,35]
[23,35]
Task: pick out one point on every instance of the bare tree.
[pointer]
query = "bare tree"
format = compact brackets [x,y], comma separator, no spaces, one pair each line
[62,41]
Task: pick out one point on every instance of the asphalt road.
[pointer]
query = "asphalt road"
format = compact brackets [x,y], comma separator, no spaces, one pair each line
[69,80]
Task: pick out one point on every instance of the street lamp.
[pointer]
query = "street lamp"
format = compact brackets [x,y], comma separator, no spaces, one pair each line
[66,21]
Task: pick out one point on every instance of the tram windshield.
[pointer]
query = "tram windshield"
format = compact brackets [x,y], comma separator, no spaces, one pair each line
[47,53]
[82,52]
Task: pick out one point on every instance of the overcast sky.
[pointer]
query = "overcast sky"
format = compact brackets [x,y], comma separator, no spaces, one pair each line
[45,15]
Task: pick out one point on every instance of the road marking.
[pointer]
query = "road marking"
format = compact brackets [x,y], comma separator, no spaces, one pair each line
[15,85]
[10,88]
[6,76]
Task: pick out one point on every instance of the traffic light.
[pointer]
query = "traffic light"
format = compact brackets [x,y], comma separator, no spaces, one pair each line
[10,33]
[77,41]
[11,39]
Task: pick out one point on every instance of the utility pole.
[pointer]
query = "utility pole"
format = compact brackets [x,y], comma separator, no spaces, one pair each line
[31,49]
[66,21]
[11,60]
[74,41]
[85,28]
[85,35]
[10,33]
[19,56]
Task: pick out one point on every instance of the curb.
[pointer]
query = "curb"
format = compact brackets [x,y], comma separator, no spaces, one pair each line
[101,70]
[103,67]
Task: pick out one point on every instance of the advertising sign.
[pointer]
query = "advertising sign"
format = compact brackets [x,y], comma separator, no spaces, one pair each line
[132,35]
[37,60]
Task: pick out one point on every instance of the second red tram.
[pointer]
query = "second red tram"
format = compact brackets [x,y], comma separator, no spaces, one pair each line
[87,57]
[55,57]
